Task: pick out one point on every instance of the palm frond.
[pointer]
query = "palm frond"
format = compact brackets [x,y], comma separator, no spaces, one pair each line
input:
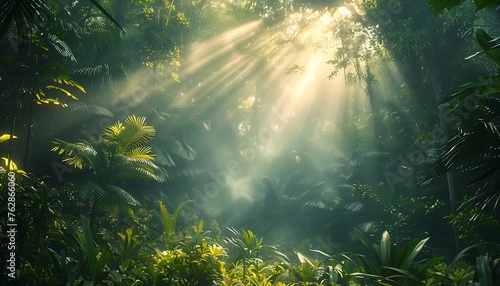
[113,131]
[140,168]
[61,47]
[26,16]
[93,71]
[187,173]
[121,194]
[142,152]
[103,72]
[149,174]
[136,132]
[91,109]
[184,150]
[163,157]
[75,154]
[89,191]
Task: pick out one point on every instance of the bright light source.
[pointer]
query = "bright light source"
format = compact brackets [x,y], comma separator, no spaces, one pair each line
[344,11]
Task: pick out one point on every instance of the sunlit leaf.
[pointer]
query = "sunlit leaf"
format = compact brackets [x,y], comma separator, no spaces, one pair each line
[68,93]
[5,137]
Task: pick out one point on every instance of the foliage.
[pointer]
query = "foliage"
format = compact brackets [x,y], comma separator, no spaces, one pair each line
[121,154]
[456,276]
[473,224]
[472,150]
[389,263]
[28,16]
[440,6]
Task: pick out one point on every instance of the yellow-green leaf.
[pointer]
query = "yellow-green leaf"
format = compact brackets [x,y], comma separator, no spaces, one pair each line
[6,137]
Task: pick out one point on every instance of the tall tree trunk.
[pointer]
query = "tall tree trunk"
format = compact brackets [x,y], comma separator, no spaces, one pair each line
[451,176]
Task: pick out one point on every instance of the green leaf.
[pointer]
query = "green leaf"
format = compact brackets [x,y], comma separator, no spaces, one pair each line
[440,6]
[489,45]
[481,4]
[484,271]
[410,251]
[87,242]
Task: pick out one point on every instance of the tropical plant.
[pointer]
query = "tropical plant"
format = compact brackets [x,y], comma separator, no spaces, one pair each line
[27,16]
[473,149]
[41,225]
[121,154]
[390,264]
[487,270]
[169,222]
[440,6]
[194,261]
[9,164]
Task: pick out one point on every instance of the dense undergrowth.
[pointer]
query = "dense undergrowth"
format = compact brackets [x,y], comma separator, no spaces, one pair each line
[56,247]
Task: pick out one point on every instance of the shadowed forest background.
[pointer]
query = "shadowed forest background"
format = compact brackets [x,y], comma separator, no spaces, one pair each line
[250,142]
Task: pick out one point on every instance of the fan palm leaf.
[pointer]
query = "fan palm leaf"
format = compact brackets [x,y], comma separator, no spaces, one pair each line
[26,15]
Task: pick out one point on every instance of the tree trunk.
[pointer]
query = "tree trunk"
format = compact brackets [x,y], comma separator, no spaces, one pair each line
[451,176]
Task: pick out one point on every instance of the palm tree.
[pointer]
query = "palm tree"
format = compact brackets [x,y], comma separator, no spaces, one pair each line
[120,154]
[30,15]
[474,150]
